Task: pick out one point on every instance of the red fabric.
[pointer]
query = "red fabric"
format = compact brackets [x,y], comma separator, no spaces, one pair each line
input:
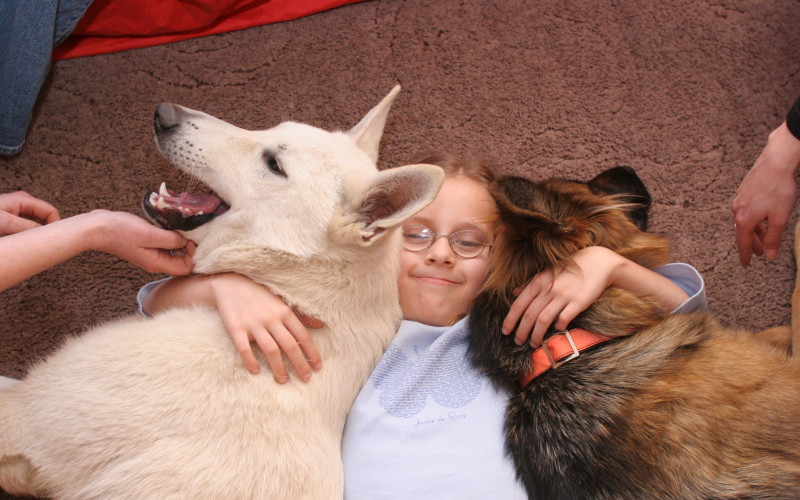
[116,25]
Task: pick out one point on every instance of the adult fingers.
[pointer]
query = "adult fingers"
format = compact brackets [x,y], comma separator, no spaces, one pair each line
[758,239]
[11,224]
[772,238]
[38,209]
[744,240]
[163,238]
[161,261]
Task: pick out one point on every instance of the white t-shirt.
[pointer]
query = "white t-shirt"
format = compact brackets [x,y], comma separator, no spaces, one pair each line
[429,425]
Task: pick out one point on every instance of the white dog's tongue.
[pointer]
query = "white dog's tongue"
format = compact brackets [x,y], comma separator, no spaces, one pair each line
[186,203]
[184,211]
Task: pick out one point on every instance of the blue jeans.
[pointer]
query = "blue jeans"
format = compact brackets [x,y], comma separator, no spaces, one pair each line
[30,30]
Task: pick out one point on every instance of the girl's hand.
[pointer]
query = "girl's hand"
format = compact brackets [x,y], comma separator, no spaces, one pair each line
[20,211]
[251,312]
[560,296]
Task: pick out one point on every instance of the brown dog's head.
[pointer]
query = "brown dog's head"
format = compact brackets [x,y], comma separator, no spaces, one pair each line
[540,225]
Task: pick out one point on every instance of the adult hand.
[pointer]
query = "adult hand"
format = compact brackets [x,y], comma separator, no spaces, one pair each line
[561,295]
[252,313]
[767,195]
[131,238]
[20,211]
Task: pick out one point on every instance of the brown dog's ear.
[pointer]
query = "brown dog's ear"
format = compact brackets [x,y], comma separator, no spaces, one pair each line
[513,196]
[525,228]
[531,206]
[624,182]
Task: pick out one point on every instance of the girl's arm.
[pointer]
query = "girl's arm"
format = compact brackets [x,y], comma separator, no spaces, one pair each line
[560,297]
[250,313]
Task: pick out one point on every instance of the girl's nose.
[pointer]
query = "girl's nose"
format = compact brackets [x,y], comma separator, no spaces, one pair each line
[440,252]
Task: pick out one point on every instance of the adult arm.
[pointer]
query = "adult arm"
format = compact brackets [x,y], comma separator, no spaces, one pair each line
[28,252]
[768,192]
[20,211]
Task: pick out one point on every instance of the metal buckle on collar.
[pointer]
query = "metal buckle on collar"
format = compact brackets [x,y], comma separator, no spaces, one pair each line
[575,352]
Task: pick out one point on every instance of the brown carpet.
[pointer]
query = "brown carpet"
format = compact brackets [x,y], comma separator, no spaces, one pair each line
[684,91]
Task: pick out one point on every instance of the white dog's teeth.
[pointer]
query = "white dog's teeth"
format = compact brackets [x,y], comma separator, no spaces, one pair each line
[161,203]
[162,190]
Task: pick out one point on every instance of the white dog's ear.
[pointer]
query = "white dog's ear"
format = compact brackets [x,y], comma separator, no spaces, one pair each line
[395,195]
[367,134]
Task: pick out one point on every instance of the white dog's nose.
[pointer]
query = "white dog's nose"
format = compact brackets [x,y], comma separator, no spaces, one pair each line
[167,117]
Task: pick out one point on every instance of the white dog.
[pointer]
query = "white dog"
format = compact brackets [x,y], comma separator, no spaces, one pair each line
[162,408]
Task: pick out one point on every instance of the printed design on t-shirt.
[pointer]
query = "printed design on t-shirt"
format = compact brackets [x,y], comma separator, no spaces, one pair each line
[443,372]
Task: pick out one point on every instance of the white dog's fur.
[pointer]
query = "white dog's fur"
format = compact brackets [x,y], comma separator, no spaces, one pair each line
[163,408]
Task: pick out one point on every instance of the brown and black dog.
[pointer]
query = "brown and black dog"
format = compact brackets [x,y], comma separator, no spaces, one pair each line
[661,406]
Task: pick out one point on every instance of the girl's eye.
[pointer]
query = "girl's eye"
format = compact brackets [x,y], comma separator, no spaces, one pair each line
[469,240]
[273,165]
[415,236]
[469,243]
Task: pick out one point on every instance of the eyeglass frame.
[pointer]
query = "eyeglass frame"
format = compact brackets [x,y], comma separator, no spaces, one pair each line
[449,240]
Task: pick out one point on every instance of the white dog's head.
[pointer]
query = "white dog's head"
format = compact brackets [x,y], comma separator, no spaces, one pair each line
[286,188]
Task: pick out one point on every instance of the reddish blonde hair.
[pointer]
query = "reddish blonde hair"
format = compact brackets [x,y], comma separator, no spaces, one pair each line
[478,170]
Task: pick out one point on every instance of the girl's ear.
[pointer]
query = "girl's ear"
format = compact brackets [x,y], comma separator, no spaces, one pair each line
[367,134]
[395,195]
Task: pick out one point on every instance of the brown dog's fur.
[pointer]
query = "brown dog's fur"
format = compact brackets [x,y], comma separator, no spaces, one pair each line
[675,406]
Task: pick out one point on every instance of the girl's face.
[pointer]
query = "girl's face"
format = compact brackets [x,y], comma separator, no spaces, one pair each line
[437,286]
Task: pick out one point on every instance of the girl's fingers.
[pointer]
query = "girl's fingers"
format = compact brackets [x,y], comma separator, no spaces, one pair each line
[272,353]
[570,312]
[520,305]
[242,343]
[303,338]
[544,320]
[289,345]
[530,318]
[308,321]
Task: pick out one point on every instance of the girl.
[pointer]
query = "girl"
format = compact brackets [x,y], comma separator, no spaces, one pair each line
[426,421]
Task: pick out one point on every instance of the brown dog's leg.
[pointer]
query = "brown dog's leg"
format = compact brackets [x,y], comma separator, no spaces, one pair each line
[779,336]
[796,295]
[785,337]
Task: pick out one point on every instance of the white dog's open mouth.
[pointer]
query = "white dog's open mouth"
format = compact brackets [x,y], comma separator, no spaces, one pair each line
[184,211]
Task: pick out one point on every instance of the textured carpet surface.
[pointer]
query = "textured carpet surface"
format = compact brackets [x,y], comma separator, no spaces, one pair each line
[684,91]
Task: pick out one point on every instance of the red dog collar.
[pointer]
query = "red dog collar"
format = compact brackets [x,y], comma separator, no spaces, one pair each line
[559,349]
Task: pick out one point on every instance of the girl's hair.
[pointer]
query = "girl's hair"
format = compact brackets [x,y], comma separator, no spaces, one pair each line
[478,170]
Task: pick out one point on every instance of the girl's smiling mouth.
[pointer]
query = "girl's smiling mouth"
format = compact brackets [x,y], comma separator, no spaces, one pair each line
[434,280]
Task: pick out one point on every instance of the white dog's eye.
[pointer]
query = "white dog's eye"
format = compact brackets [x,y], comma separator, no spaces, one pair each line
[273,165]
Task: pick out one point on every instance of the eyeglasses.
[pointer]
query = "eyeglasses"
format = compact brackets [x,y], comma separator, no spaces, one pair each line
[466,244]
